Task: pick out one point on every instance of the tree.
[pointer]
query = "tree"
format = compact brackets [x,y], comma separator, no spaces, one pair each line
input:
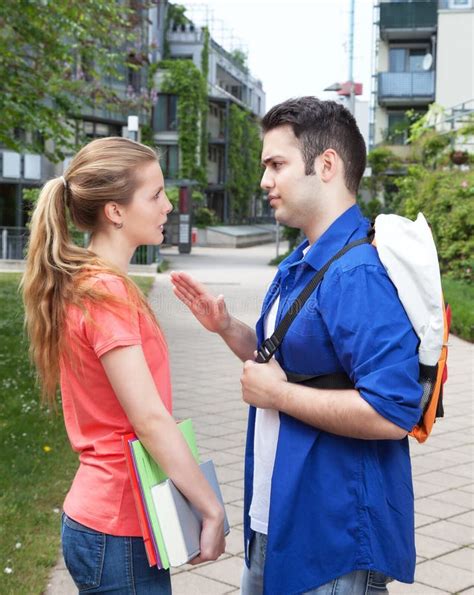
[55,57]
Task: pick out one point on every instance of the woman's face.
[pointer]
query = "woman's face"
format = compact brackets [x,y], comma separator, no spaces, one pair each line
[145,216]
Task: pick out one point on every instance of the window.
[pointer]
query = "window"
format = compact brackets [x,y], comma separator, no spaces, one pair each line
[170,161]
[397,128]
[399,124]
[397,59]
[100,129]
[165,113]
[460,3]
[134,79]
[415,60]
[406,59]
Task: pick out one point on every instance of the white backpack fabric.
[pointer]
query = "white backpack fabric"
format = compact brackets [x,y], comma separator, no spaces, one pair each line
[408,252]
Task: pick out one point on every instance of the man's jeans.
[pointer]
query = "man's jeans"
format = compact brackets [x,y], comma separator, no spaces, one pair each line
[359,582]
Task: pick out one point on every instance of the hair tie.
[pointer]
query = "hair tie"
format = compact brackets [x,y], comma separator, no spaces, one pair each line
[66,194]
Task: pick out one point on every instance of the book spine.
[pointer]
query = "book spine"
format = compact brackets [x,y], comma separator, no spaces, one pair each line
[142,460]
[137,495]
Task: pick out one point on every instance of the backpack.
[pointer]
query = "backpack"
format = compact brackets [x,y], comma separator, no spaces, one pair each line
[408,253]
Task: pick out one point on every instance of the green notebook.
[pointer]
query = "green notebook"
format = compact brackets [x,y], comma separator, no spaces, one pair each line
[151,474]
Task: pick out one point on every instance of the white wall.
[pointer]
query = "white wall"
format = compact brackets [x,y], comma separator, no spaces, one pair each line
[455,57]
[362,118]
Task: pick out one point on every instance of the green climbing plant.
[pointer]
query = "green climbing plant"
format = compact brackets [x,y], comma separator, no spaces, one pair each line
[243,181]
[204,101]
[185,80]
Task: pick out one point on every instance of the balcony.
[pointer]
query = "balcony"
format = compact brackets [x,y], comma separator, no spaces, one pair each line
[25,168]
[408,20]
[406,88]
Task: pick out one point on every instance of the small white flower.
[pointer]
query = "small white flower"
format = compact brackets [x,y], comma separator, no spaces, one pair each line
[8,570]
[56,510]
[18,545]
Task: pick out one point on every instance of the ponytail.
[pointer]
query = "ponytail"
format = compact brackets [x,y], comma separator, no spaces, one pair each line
[47,281]
[57,270]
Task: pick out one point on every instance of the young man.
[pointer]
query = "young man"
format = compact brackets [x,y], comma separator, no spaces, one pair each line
[328,488]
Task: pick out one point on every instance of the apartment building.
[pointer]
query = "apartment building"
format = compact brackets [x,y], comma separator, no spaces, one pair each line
[228,82]
[423,53]
[25,170]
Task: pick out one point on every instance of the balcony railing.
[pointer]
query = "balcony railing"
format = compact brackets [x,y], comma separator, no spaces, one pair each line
[408,15]
[14,240]
[416,86]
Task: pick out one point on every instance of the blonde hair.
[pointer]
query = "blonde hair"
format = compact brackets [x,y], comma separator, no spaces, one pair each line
[102,171]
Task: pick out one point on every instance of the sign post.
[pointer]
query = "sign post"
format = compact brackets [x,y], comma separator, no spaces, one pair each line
[185,213]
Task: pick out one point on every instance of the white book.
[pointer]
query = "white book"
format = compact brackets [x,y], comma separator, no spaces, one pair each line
[180,523]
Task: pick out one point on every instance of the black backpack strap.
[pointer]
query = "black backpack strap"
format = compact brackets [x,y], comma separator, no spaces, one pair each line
[270,345]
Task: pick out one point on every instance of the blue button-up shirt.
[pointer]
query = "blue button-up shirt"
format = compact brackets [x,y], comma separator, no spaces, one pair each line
[339,504]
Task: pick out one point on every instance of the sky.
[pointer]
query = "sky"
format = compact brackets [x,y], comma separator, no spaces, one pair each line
[296,47]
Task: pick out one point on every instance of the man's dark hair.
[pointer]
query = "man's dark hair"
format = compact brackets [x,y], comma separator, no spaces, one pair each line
[320,125]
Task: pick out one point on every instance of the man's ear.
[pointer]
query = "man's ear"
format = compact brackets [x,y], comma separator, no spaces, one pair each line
[327,165]
[113,213]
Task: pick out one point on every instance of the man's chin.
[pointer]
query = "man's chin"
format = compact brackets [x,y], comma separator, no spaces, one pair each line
[280,216]
[283,218]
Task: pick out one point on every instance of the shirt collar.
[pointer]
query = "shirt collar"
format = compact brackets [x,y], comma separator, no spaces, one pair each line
[335,237]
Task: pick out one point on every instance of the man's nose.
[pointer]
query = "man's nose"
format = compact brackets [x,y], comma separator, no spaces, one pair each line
[267,181]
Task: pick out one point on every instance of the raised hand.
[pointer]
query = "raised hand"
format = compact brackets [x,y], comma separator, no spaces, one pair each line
[211,311]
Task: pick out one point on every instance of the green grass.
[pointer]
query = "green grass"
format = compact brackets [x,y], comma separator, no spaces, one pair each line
[33,479]
[163,266]
[144,283]
[460,296]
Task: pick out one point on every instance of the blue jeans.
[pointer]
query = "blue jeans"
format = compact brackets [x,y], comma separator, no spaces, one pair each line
[359,582]
[101,563]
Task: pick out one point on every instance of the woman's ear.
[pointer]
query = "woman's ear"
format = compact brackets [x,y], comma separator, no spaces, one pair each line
[113,213]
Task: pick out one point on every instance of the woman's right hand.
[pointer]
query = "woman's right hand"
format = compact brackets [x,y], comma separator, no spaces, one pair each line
[212,541]
[211,311]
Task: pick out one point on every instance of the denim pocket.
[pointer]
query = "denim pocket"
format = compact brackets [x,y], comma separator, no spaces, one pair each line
[83,551]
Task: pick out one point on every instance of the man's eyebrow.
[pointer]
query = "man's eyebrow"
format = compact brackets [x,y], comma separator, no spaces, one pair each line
[271,158]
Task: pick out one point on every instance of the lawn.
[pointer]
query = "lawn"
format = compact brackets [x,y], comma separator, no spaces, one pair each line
[460,296]
[36,461]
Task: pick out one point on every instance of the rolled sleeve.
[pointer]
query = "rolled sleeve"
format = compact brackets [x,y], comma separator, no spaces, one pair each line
[108,325]
[374,341]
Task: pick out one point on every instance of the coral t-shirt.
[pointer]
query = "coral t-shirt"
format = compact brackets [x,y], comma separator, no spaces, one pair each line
[101,495]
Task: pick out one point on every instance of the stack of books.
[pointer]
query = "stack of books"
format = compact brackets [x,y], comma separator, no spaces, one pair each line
[171,526]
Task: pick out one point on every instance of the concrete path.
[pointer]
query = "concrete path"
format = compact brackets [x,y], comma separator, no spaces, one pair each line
[206,388]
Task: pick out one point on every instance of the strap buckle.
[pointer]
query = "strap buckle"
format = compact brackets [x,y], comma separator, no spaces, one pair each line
[266,351]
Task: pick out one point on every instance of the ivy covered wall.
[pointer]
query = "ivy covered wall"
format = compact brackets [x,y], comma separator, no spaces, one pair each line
[186,81]
[244,172]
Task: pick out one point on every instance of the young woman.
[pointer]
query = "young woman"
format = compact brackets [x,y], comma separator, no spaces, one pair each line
[92,332]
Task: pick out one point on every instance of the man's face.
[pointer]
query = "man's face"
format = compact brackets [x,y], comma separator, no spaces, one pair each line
[291,193]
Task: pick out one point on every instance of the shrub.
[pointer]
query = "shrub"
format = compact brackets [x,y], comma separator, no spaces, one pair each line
[446,198]
[204,217]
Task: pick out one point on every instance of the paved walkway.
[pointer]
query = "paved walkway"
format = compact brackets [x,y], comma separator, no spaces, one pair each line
[206,388]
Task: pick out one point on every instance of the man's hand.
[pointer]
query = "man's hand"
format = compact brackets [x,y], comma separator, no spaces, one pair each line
[263,384]
[211,311]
